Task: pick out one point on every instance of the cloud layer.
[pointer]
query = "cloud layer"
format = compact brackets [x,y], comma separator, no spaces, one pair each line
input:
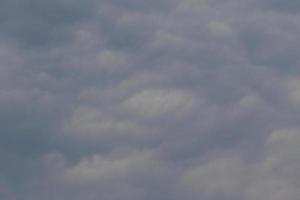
[166,100]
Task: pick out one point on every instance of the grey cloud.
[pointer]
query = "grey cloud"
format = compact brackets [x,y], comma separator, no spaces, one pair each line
[149,100]
[41,23]
[289,6]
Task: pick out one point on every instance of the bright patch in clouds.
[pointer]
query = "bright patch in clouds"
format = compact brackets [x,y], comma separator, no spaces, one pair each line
[157,102]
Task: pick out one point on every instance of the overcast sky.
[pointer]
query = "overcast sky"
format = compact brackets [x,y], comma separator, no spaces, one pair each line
[149,99]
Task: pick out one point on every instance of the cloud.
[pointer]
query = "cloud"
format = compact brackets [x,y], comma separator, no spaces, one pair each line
[193,99]
[155,103]
[231,176]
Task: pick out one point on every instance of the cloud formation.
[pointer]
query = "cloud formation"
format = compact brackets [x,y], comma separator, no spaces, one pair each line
[166,100]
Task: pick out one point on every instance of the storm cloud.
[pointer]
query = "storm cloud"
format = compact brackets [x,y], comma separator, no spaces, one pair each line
[165,100]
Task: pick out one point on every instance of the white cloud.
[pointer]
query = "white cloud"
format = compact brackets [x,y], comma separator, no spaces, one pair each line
[292,86]
[273,176]
[220,28]
[88,123]
[152,103]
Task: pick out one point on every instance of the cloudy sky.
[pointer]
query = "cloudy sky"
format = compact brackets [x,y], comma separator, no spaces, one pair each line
[149,99]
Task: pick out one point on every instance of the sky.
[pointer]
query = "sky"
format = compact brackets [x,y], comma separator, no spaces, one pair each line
[149,100]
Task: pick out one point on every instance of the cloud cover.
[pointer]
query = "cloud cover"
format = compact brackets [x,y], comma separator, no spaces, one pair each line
[166,100]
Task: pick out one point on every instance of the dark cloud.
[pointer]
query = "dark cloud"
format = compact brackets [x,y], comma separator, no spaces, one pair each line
[41,23]
[149,100]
